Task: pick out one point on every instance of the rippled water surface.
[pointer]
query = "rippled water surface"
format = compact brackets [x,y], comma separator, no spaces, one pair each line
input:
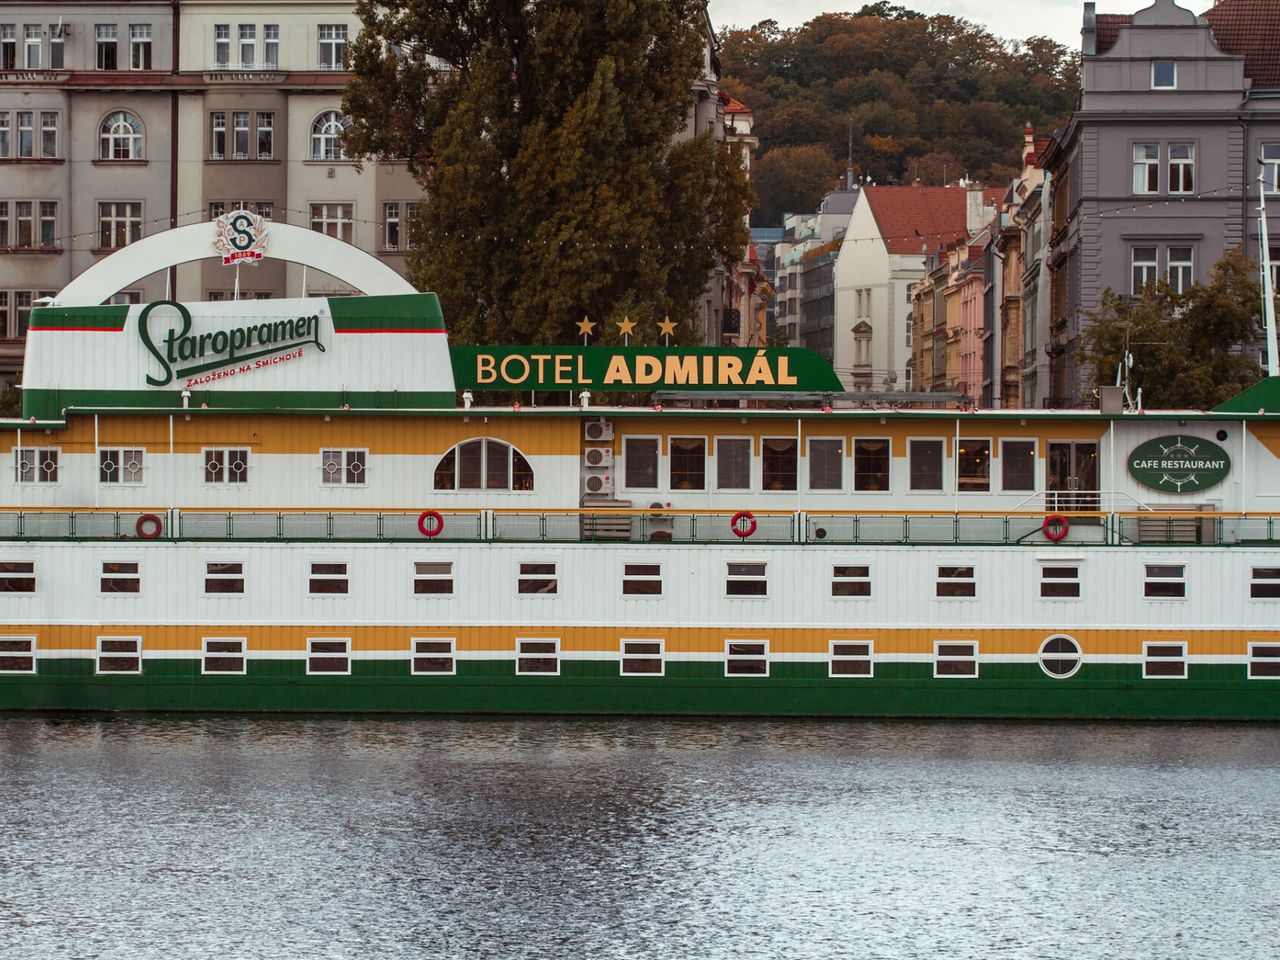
[229,837]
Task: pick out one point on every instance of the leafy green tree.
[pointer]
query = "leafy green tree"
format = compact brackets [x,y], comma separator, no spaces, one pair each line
[551,141]
[792,180]
[1185,346]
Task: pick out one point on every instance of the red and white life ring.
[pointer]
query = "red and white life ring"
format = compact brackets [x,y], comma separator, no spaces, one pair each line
[1055,527]
[149,526]
[741,529]
[437,523]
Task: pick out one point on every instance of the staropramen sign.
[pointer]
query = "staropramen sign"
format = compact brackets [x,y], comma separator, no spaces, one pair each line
[1179,464]
[240,237]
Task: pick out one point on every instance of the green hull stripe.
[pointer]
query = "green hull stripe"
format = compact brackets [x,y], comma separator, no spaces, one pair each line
[406,312]
[104,318]
[50,404]
[1098,691]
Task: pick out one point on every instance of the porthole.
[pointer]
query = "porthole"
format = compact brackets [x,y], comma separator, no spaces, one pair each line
[1060,656]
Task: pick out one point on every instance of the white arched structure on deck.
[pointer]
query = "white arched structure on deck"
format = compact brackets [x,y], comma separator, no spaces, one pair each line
[169,248]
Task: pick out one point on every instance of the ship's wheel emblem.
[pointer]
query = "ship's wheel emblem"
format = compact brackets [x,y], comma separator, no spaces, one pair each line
[1179,451]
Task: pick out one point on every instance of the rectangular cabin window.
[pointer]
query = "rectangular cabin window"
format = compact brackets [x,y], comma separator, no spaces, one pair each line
[974,465]
[688,463]
[955,659]
[329,655]
[433,656]
[850,580]
[642,579]
[640,456]
[733,463]
[538,657]
[17,576]
[120,578]
[926,464]
[223,655]
[120,465]
[746,658]
[226,466]
[433,578]
[1164,661]
[850,658]
[35,464]
[342,466]
[956,582]
[119,655]
[778,463]
[746,579]
[1264,661]
[870,465]
[223,577]
[641,658]
[328,579]
[17,654]
[1165,581]
[1018,465]
[1059,581]
[826,464]
[537,578]
[1265,584]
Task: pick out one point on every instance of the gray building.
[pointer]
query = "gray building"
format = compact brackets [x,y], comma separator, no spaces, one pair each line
[1155,176]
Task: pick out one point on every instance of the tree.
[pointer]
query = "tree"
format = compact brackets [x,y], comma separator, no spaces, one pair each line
[1186,347]
[545,136]
[792,180]
[10,401]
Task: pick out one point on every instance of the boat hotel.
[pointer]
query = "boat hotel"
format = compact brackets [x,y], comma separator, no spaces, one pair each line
[295,505]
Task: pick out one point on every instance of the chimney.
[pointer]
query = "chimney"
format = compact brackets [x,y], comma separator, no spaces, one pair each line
[974,214]
[1089,32]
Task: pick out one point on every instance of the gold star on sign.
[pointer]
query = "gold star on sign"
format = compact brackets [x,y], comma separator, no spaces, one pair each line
[627,326]
[585,326]
[668,327]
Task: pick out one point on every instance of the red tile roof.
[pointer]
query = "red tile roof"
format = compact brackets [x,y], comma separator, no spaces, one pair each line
[1251,28]
[731,105]
[1247,28]
[912,219]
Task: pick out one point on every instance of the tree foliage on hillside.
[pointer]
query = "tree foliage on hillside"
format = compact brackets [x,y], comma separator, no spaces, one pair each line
[907,88]
[554,185]
[1185,346]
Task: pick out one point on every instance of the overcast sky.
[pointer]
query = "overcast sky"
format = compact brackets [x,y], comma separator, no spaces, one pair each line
[1017,20]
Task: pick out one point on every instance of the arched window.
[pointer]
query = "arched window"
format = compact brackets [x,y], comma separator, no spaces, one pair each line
[120,137]
[326,136]
[484,465]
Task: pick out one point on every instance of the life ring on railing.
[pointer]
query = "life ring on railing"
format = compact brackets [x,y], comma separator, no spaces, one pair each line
[149,526]
[1055,527]
[741,529]
[433,531]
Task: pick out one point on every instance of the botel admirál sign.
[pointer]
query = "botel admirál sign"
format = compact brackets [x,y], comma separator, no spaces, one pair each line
[1179,464]
[641,368]
[166,333]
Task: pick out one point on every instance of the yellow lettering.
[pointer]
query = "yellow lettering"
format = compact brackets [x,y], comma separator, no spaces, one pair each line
[785,379]
[582,370]
[681,370]
[485,371]
[564,368]
[708,369]
[648,369]
[729,371]
[506,372]
[541,360]
[617,371]
[759,372]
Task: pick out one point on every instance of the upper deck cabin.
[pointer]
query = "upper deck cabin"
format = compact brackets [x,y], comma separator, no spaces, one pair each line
[318,420]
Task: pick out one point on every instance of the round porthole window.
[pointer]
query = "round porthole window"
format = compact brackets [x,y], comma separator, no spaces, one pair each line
[1060,656]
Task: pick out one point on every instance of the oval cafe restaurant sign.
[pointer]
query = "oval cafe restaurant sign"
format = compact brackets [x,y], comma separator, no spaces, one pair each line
[1179,464]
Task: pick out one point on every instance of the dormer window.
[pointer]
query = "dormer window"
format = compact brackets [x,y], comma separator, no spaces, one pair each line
[1164,75]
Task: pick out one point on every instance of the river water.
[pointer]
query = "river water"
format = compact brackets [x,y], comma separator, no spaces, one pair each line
[234,837]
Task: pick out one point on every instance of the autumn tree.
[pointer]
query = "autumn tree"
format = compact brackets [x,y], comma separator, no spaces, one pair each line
[793,180]
[554,144]
[1187,348]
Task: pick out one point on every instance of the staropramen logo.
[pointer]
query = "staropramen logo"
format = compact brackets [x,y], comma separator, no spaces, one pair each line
[1179,464]
[240,237]
[199,357]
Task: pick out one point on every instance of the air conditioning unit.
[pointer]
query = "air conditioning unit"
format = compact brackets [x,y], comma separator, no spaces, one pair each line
[599,457]
[599,485]
[595,431]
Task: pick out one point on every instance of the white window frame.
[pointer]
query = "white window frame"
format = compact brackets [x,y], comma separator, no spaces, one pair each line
[1164,86]
[1145,164]
[1186,268]
[241,134]
[1042,656]
[392,234]
[553,576]
[345,576]
[120,455]
[942,467]
[1035,463]
[221,46]
[991,446]
[740,657]
[30,640]
[670,459]
[521,655]
[783,491]
[1148,580]
[264,122]
[451,656]
[225,595]
[730,577]
[117,134]
[19,575]
[624,656]
[331,45]
[939,579]
[271,46]
[243,655]
[326,138]
[32,41]
[835,579]
[625,461]
[1148,659]
[1180,170]
[751,463]
[328,673]
[140,48]
[434,578]
[939,658]
[120,594]
[853,466]
[841,484]
[869,658]
[1047,563]
[247,40]
[97,659]
[1257,581]
[345,457]
[1269,153]
[122,220]
[225,468]
[45,129]
[1150,268]
[39,458]
[624,578]
[1253,659]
